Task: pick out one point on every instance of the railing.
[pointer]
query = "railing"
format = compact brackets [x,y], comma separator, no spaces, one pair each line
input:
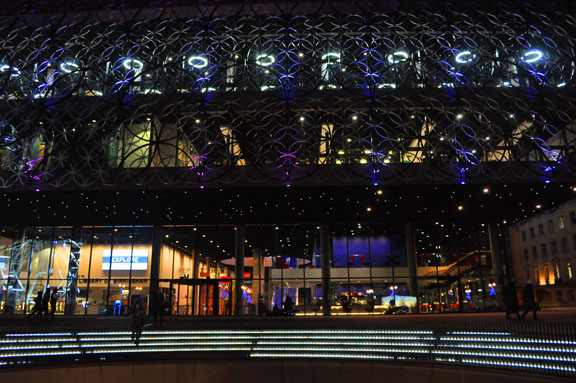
[542,348]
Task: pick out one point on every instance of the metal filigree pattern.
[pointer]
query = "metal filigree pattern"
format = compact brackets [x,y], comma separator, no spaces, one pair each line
[233,94]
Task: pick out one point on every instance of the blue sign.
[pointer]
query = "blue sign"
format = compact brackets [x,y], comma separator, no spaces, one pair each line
[125,259]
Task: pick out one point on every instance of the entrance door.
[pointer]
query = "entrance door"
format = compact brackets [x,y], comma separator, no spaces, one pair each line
[197,297]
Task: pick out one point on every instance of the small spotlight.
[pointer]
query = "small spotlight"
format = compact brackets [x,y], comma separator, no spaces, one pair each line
[302,118]
[538,206]
[379,192]
[460,207]
[354,117]
[459,116]
[486,190]
[368,209]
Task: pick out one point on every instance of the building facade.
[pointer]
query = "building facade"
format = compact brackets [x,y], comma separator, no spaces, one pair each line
[361,157]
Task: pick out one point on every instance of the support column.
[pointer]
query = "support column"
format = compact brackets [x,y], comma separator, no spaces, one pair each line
[75,244]
[257,276]
[239,238]
[411,260]
[155,262]
[326,258]
[496,252]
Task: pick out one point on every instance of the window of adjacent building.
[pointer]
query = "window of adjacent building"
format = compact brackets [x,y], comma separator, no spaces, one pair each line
[561,223]
[531,233]
[541,229]
[525,251]
[550,226]
[573,218]
[553,248]
[523,235]
[543,250]
[534,252]
[547,275]
[569,268]
[574,241]
[564,244]
[559,295]
[536,276]
[557,271]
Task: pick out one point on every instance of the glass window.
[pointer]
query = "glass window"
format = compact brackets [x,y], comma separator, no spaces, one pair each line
[541,229]
[523,235]
[569,269]
[525,252]
[553,248]
[536,276]
[551,226]
[534,252]
[573,218]
[531,233]
[561,223]
[543,250]
[564,244]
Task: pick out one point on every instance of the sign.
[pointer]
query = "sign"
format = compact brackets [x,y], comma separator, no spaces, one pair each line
[136,259]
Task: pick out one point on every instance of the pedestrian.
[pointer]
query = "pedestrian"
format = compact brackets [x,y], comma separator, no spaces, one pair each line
[529,301]
[45,300]
[137,316]
[157,306]
[511,300]
[53,301]
[288,305]
[37,309]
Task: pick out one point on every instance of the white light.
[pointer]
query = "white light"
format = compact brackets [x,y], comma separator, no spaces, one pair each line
[397,57]
[465,57]
[459,116]
[561,85]
[197,61]
[532,56]
[331,54]
[6,68]
[137,65]
[69,67]
[265,60]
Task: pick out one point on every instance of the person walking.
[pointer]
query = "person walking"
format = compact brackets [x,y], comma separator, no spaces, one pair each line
[529,301]
[511,300]
[53,301]
[137,316]
[37,309]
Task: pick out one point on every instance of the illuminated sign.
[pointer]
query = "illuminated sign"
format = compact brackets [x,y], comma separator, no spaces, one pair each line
[136,259]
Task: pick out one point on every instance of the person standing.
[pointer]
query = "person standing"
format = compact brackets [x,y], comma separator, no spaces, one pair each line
[137,316]
[288,305]
[511,301]
[529,301]
[53,301]
[157,306]
[44,311]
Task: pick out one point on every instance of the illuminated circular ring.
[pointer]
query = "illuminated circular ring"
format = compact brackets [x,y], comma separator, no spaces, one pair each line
[532,56]
[265,60]
[197,61]
[137,65]
[69,67]
[331,54]
[397,57]
[465,57]
[7,68]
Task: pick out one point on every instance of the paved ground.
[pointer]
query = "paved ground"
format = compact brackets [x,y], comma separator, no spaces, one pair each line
[484,321]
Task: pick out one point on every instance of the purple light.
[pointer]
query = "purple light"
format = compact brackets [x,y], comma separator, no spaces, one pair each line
[288,185]
[201,186]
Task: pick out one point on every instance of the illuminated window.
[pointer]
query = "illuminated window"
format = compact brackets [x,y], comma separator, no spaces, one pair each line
[561,223]
[569,268]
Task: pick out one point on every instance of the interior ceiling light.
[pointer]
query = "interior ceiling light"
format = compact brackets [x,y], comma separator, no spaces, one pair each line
[69,67]
[137,65]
